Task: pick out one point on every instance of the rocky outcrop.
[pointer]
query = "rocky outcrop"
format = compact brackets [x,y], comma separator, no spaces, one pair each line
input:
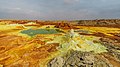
[101,22]
[64,25]
[79,59]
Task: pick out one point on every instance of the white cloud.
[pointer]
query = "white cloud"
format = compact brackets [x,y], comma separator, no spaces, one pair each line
[17,8]
[70,1]
[17,12]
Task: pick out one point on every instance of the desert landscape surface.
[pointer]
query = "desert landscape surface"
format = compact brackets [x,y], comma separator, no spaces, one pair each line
[79,43]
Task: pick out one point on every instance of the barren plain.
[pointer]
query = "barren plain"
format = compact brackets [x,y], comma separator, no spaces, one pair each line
[81,43]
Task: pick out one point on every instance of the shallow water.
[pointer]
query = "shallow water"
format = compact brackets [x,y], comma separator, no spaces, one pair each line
[32,32]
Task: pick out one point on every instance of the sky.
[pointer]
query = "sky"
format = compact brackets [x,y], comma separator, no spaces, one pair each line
[59,9]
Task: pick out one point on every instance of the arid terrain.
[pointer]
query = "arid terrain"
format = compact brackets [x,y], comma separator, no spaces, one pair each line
[80,43]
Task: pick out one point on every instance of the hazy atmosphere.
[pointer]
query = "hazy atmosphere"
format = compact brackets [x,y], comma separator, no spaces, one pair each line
[59,9]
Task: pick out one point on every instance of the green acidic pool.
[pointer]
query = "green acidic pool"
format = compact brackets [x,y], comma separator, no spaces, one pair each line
[32,32]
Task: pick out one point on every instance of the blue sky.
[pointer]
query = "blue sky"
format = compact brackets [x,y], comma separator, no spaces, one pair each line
[59,9]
